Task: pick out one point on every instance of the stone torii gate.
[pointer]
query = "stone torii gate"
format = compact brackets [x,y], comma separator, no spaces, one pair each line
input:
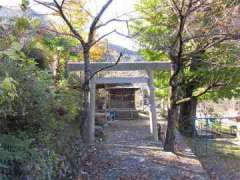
[125,66]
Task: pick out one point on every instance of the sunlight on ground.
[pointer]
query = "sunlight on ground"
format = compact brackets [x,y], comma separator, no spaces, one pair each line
[222,158]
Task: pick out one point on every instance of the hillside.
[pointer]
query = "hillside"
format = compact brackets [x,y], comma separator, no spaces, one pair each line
[114,50]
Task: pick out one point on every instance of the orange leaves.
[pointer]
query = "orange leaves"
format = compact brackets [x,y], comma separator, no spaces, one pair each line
[97,51]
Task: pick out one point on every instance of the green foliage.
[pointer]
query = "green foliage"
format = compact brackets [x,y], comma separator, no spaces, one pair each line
[22,24]
[14,152]
[8,94]
[24,4]
[31,94]
[158,27]
[57,43]
[18,41]
[153,55]
[68,101]
[38,118]
[219,65]
[39,56]
[60,49]
[231,3]
[61,45]
[162,84]
[34,106]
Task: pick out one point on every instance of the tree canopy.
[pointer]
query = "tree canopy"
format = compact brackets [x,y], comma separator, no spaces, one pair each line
[199,40]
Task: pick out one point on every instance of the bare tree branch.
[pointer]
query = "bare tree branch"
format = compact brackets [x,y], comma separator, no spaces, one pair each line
[117,20]
[204,36]
[200,4]
[107,67]
[72,29]
[198,95]
[207,46]
[109,21]
[57,32]
[178,58]
[47,5]
[102,37]
[124,35]
[175,6]
[96,20]
[62,3]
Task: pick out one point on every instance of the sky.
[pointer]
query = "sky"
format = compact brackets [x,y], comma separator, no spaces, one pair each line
[117,8]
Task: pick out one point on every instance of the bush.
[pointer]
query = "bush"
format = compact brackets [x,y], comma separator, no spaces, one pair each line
[14,153]
[47,115]
[26,95]
[39,118]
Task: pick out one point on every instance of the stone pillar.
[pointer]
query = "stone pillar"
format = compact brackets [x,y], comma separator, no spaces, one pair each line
[152,108]
[92,110]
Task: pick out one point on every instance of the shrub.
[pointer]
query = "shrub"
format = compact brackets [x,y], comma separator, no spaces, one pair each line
[14,153]
[38,118]
[26,95]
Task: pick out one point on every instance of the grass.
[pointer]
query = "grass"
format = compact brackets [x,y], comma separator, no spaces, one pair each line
[226,149]
[222,159]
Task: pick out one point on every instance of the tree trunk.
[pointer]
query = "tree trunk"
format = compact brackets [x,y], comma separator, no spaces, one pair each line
[169,144]
[173,110]
[86,99]
[188,109]
[187,113]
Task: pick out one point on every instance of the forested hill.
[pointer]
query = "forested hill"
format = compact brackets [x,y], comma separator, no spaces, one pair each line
[15,11]
[114,50]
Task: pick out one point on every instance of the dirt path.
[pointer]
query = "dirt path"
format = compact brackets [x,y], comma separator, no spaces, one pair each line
[129,153]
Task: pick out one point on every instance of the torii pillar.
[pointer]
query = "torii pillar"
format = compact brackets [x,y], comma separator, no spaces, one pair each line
[91,122]
[152,108]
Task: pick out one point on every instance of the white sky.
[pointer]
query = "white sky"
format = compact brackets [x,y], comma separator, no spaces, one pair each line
[118,7]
